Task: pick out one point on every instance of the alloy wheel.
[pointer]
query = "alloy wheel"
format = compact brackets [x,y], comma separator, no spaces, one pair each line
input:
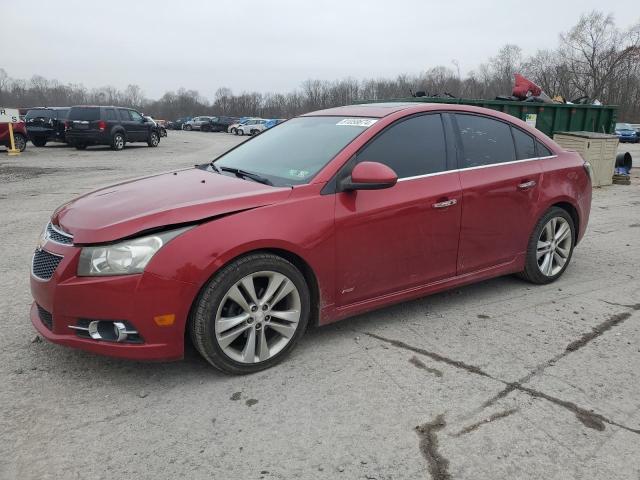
[258,317]
[554,246]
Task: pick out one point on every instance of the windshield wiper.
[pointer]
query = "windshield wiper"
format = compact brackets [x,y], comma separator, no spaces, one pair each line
[243,174]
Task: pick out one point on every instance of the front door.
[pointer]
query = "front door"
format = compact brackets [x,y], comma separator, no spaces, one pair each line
[407,235]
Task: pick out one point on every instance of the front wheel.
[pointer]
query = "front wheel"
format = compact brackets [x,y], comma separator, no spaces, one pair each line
[81,146]
[154,140]
[240,132]
[550,247]
[251,314]
[188,128]
[233,130]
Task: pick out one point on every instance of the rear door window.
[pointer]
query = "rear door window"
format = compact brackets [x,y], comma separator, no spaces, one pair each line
[525,145]
[111,114]
[411,147]
[84,113]
[484,141]
[39,113]
[62,114]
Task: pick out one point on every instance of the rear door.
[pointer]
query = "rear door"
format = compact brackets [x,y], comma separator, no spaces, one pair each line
[499,175]
[407,235]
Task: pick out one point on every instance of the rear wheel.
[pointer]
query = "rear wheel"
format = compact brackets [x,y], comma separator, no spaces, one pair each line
[80,146]
[117,142]
[254,132]
[39,141]
[20,141]
[550,247]
[251,314]
[233,130]
[188,128]
[240,132]
[154,139]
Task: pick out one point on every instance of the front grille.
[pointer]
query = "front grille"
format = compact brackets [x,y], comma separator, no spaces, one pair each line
[45,317]
[44,264]
[58,236]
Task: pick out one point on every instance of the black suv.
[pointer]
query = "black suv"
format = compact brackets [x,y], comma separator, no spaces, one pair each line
[114,126]
[218,124]
[46,124]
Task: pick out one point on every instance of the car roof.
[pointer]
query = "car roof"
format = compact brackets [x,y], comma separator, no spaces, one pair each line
[49,108]
[375,110]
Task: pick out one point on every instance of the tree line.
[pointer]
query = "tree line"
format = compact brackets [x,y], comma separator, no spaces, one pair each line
[595,59]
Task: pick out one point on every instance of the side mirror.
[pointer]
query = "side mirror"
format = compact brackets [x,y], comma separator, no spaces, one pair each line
[370,176]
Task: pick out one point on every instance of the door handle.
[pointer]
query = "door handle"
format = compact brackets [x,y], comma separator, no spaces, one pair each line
[445,204]
[527,185]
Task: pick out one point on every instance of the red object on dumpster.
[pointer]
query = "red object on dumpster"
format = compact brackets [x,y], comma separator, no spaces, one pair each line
[523,86]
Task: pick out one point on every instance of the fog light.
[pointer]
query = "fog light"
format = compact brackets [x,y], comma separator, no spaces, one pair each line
[106,330]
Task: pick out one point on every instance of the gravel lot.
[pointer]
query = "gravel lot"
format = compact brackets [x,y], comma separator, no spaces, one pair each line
[497,380]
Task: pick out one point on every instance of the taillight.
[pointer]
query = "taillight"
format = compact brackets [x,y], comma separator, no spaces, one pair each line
[102,125]
[589,170]
[66,125]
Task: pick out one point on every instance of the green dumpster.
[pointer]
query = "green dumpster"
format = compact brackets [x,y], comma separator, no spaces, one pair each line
[547,117]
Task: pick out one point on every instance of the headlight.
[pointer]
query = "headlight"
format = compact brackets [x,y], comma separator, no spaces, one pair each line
[124,258]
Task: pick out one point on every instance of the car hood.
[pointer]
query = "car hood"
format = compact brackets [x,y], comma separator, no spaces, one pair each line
[171,198]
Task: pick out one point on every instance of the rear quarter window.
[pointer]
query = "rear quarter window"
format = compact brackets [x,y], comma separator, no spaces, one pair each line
[542,150]
[525,144]
[84,113]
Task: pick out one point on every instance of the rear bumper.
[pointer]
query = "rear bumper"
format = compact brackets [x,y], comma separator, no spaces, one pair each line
[136,299]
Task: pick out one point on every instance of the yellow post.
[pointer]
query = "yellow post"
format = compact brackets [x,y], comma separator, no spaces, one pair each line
[12,150]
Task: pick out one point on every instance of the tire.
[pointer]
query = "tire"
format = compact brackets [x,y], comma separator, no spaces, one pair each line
[39,141]
[266,273]
[188,128]
[234,131]
[254,132]
[240,132]
[118,141]
[80,146]
[20,142]
[154,139]
[543,263]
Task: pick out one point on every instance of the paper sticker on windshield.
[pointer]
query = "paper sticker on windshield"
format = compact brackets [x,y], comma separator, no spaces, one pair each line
[357,122]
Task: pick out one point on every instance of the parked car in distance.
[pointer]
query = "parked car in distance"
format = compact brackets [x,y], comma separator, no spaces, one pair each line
[218,124]
[252,127]
[626,133]
[109,125]
[159,124]
[273,122]
[46,124]
[19,135]
[177,124]
[241,121]
[332,214]
[195,123]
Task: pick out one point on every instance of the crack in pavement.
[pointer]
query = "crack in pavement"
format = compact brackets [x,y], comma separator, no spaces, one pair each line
[435,356]
[588,418]
[421,365]
[437,464]
[586,338]
[475,426]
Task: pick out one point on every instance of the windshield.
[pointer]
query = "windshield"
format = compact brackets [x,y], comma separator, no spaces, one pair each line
[40,113]
[293,152]
[84,113]
[623,126]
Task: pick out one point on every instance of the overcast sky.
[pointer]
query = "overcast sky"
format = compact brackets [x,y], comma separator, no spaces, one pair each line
[271,45]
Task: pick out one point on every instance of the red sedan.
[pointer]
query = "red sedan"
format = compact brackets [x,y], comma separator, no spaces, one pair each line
[325,216]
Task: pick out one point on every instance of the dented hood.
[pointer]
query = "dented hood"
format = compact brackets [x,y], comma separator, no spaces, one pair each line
[172,198]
